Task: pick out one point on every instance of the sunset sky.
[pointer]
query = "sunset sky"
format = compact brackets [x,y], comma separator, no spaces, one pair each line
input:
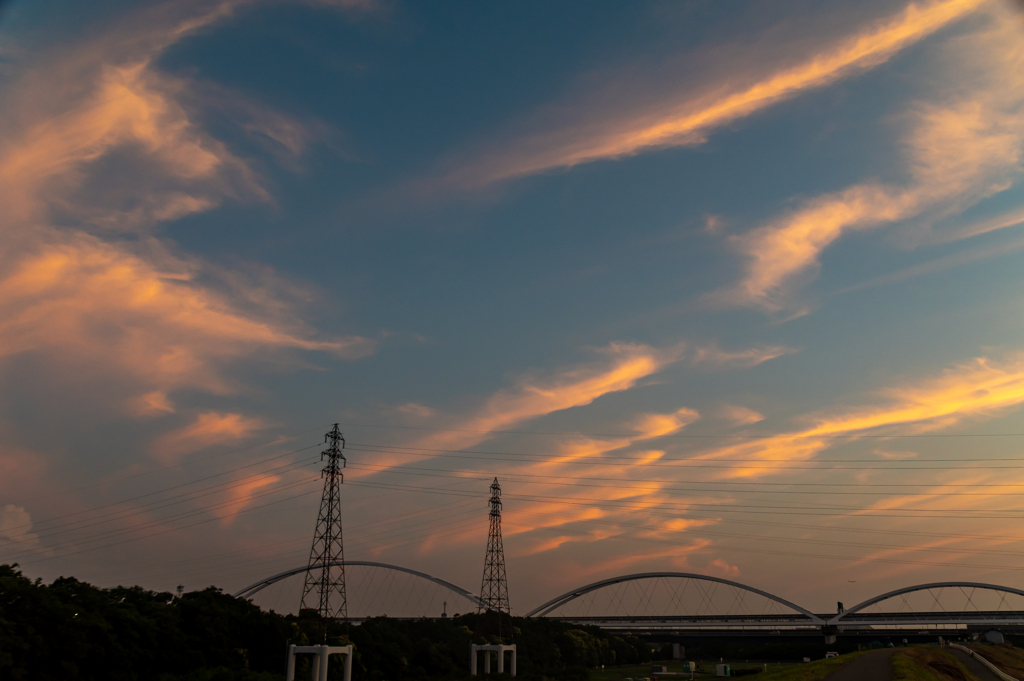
[726,288]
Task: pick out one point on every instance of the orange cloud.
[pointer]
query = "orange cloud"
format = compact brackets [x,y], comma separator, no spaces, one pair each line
[93,302]
[208,429]
[659,425]
[960,149]
[981,388]
[626,365]
[240,496]
[685,119]
[723,568]
[152,403]
[129,308]
[677,556]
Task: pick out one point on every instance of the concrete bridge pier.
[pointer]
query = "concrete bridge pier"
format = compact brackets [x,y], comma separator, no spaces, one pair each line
[487,650]
[322,654]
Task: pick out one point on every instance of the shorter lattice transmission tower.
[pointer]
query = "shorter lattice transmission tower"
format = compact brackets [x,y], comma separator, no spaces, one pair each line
[326,572]
[494,588]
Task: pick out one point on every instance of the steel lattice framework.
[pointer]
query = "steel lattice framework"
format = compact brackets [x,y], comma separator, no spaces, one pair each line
[494,587]
[325,573]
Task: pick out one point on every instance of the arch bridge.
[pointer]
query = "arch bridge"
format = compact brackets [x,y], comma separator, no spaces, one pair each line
[683,602]
[381,588]
[690,603]
[677,601]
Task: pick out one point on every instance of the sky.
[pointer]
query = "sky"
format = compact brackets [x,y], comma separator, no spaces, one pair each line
[723,288]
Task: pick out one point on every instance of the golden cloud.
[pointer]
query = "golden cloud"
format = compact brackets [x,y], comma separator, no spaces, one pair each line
[686,118]
[626,365]
[960,149]
[981,388]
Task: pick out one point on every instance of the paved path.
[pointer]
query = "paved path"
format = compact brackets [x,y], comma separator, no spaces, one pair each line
[875,666]
[973,666]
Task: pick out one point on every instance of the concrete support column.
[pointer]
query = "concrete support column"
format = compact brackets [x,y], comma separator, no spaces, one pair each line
[289,675]
[501,661]
[487,662]
[325,652]
[513,670]
[472,660]
[348,664]
[316,668]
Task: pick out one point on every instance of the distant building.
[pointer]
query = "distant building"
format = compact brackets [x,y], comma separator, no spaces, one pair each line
[994,636]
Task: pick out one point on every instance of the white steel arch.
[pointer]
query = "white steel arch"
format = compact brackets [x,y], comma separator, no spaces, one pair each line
[841,617]
[544,609]
[253,589]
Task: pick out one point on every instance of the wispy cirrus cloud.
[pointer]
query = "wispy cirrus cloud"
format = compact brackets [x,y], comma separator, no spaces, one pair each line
[208,429]
[98,148]
[964,145]
[750,357]
[979,389]
[740,415]
[623,366]
[687,115]
[241,495]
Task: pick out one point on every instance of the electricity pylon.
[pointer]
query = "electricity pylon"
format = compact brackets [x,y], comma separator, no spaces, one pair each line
[326,572]
[494,588]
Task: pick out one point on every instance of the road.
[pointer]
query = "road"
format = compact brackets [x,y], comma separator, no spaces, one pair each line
[874,666]
[975,667]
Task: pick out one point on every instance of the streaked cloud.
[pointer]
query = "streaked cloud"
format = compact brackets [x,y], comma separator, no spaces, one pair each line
[678,557]
[416,411]
[976,390]
[963,146]
[241,495]
[751,357]
[142,317]
[152,403]
[208,429]
[658,425]
[624,365]
[894,456]
[136,309]
[740,415]
[687,117]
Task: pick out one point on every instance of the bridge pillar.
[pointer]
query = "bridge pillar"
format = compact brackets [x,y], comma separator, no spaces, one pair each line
[322,654]
[487,650]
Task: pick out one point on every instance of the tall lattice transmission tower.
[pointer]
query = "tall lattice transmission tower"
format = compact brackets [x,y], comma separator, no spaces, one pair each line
[494,588]
[326,572]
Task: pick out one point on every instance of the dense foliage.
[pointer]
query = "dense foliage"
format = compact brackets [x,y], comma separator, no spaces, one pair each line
[70,630]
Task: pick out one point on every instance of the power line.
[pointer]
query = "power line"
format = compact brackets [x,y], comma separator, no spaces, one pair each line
[576,482]
[767,465]
[633,434]
[413,451]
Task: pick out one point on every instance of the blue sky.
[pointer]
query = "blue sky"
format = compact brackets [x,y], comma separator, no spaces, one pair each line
[671,271]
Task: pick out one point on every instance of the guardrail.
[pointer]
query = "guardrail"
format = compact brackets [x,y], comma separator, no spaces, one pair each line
[998,672]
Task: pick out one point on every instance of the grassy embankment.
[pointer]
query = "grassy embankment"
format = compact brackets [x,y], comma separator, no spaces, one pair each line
[810,671]
[928,664]
[790,671]
[1005,656]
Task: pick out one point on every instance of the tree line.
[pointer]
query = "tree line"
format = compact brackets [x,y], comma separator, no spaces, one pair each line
[70,630]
